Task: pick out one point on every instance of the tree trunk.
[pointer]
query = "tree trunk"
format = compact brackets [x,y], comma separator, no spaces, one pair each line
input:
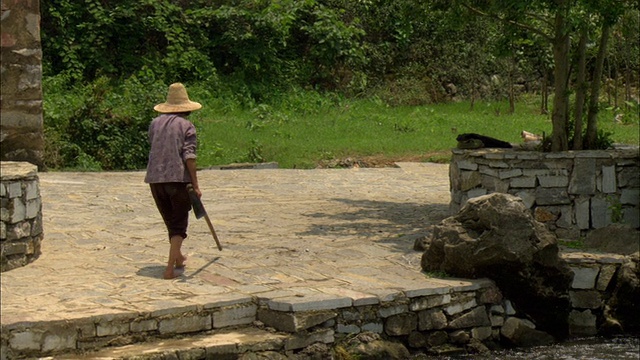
[512,95]
[561,46]
[627,87]
[544,91]
[473,84]
[581,88]
[592,117]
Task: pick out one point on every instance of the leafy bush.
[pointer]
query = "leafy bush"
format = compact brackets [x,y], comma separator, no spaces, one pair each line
[99,126]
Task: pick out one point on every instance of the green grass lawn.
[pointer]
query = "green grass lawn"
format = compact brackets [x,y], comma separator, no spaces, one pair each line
[303,134]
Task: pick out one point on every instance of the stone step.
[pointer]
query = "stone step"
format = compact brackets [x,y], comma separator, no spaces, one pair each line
[26,339]
[300,317]
[219,344]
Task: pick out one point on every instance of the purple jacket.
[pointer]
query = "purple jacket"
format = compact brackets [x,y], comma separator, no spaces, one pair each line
[173,141]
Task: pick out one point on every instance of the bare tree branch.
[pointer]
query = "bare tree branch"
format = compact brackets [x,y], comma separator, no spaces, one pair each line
[512,22]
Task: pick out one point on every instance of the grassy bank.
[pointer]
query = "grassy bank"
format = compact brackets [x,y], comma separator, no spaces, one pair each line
[97,126]
[324,132]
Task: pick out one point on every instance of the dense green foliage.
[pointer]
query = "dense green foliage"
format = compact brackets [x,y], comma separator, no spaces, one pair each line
[278,67]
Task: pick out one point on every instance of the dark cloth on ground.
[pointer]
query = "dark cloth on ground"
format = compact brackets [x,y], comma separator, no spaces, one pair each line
[475,141]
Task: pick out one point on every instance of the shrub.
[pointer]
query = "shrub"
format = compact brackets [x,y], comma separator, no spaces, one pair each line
[99,126]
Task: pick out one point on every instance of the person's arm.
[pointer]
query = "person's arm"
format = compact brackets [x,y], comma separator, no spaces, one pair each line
[192,169]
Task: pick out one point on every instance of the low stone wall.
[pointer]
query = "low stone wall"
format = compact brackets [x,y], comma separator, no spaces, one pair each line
[425,318]
[429,320]
[441,320]
[21,214]
[572,192]
[591,290]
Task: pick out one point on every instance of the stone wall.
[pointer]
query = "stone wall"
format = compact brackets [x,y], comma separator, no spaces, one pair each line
[20,214]
[594,275]
[571,192]
[430,319]
[442,320]
[21,129]
[426,318]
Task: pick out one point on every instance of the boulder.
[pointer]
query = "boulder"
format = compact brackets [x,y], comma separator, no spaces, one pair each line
[614,238]
[496,236]
[522,333]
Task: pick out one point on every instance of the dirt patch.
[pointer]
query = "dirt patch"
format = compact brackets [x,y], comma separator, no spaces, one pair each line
[383,161]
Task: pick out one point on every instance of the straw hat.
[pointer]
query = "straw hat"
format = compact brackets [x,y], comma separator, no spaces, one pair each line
[177,101]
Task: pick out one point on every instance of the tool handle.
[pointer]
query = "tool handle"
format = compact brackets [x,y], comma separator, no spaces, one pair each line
[213,232]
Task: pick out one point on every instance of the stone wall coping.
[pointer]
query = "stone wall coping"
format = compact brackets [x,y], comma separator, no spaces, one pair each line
[15,170]
[580,257]
[620,152]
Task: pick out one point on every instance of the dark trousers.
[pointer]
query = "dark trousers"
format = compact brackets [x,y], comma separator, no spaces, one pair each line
[172,200]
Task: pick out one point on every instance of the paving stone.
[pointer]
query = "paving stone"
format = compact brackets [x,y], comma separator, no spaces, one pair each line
[317,302]
[225,300]
[357,298]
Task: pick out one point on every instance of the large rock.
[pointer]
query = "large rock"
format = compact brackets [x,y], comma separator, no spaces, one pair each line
[614,238]
[522,333]
[496,236]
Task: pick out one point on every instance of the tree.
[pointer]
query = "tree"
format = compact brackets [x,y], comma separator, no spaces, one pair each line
[557,21]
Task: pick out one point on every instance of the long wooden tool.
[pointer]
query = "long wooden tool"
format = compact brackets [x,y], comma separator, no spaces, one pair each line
[200,212]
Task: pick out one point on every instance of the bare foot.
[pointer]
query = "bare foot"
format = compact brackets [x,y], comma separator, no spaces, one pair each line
[172,274]
[180,263]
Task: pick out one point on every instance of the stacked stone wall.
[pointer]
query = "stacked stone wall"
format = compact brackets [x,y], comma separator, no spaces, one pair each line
[442,320]
[572,192]
[21,125]
[429,320]
[594,279]
[425,318]
[20,215]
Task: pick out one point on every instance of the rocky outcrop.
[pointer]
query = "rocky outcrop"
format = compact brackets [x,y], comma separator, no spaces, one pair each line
[496,236]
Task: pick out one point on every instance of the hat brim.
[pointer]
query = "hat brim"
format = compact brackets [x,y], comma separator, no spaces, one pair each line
[177,108]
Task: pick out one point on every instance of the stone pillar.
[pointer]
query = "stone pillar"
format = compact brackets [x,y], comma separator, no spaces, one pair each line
[21,128]
[21,214]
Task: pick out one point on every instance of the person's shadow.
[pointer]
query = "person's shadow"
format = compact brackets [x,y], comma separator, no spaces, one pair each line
[152,271]
[156,271]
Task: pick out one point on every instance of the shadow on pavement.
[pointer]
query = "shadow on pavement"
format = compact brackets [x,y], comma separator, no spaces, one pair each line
[152,271]
[402,221]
